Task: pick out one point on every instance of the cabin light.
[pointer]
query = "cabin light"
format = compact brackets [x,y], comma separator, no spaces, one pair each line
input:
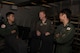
[33,3]
[7,2]
[46,5]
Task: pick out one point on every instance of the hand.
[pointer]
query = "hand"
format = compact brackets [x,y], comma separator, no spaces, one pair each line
[13,31]
[38,33]
[47,33]
[57,35]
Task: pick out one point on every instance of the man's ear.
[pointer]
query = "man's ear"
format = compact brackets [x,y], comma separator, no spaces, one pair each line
[7,17]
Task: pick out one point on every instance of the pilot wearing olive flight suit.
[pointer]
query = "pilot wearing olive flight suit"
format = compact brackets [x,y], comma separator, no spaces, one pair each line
[9,31]
[44,31]
[64,33]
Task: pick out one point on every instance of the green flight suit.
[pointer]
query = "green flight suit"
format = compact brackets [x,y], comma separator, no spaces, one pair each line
[65,38]
[47,41]
[14,44]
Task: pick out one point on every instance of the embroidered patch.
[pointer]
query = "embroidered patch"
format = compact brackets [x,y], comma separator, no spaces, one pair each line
[41,24]
[45,23]
[68,28]
[3,26]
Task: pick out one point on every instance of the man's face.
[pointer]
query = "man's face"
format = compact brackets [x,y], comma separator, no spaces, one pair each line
[42,15]
[11,17]
[61,17]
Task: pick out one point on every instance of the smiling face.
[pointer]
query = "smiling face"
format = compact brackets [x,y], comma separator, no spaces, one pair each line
[42,15]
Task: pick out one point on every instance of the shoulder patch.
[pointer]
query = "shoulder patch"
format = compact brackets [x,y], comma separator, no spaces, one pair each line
[3,26]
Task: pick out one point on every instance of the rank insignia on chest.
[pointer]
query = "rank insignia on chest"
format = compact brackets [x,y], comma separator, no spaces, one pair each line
[68,28]
[43,24]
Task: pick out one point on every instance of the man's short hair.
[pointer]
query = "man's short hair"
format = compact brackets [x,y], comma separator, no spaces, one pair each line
[67,12]
[42,11]
[8,13]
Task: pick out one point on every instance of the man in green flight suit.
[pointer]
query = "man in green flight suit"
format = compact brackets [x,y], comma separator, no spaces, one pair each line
[9,31]
[64,33]
[44,33]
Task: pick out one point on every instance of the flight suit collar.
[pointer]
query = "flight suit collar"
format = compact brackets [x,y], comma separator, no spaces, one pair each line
[44,22]
[67,24]
[9,24]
